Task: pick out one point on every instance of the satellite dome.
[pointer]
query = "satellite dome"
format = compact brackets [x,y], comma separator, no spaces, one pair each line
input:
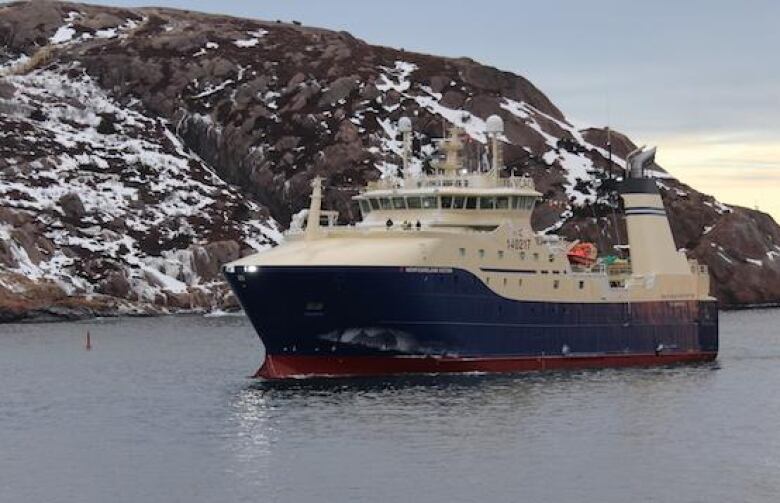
[495,124]
[405,124]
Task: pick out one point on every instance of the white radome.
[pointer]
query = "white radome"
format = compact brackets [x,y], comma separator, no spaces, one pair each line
[494,124]
[405,124]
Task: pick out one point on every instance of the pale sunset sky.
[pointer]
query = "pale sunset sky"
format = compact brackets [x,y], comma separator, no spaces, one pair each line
[699,79]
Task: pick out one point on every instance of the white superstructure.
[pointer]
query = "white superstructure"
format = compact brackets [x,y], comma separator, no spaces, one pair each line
[480,221]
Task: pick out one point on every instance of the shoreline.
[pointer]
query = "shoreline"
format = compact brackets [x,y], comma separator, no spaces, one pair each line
[749,307]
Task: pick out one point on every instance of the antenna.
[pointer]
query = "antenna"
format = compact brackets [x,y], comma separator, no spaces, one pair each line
[495,126]
[609,152]
[405,126]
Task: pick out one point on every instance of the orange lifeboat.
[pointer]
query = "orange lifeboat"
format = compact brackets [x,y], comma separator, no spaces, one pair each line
[583,254]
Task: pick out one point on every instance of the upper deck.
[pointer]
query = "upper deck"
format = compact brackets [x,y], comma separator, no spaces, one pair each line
[452,218]
[475,181]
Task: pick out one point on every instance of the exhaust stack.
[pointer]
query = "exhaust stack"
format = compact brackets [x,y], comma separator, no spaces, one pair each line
[649,235]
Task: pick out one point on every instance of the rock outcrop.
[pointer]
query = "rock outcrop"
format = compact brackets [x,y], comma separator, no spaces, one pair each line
[142,148]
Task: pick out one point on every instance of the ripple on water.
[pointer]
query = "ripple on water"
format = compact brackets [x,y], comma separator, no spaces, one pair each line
[161,410]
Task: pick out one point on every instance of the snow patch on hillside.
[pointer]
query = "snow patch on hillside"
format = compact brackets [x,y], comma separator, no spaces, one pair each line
[396,78]
[126,169]
[65,32]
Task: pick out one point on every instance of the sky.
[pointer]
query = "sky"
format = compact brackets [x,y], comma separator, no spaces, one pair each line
[699,79]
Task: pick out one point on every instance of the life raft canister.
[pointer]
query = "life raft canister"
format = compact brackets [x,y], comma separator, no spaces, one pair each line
[583,254]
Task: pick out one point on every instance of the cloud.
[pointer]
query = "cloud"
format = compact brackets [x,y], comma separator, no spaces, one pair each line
[737,168]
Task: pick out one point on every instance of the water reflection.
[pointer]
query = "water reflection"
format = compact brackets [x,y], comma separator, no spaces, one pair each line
[266,409]
[159,410]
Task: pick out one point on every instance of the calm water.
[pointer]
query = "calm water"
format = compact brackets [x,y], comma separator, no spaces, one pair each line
[161,410]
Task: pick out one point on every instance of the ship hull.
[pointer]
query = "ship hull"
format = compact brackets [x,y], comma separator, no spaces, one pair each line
[361,321]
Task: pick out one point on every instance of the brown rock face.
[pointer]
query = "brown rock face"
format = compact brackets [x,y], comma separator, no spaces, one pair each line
[208,130]
[72,207]
[116,285]
[208,259]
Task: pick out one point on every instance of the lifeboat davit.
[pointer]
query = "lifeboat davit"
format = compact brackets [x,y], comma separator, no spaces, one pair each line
[583,254]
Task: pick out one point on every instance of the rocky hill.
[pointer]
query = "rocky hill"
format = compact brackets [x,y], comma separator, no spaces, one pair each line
[143,147]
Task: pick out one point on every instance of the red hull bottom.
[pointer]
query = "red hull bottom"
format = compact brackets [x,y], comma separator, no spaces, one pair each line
[285,367]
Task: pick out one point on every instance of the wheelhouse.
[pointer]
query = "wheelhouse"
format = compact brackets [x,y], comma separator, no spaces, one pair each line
[369,202]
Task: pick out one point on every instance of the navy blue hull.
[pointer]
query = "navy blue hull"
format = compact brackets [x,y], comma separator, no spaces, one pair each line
[341,313]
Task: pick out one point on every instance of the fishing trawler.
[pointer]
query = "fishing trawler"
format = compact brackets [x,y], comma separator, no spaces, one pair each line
[444,274]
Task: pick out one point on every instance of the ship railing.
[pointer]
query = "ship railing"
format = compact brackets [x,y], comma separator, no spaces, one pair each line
[595,269]
[619,269]
[471,180]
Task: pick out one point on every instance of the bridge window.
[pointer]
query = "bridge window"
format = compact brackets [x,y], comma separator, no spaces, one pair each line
[384,202]
[458,203]
[502,203]
[374,204]
[471,203]
[365,207]
[446,202]
[429,202]
[398,203]
[522,203]
[413,203]
[487,203]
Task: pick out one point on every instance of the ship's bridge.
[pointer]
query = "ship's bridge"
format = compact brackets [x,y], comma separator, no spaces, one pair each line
[467,201]
[451,197]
